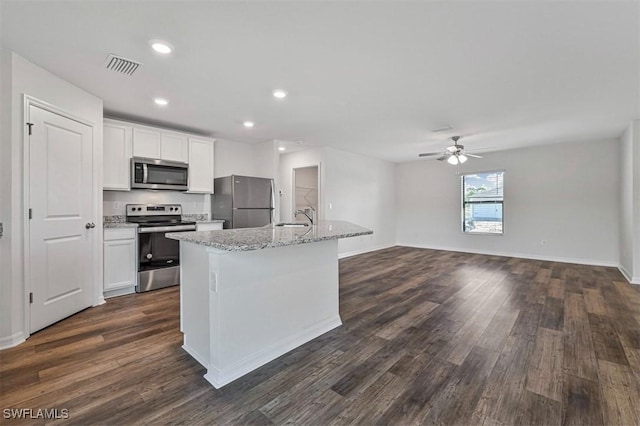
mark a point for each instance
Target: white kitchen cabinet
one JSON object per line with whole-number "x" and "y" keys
{"x": 122, "y": 140}
{"x": 117, "y": 156}
{"x": 200, "y": 165}
{"x": 209, "y": 226}
{"x": 158, "y": 143}
{"x": 146, "y": 142}
{"x": 174, "y": 147}
{"x": 120, "y": 257}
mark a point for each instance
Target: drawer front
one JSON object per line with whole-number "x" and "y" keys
{"x": 119, "y": 234}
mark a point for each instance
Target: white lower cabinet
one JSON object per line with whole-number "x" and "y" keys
{"x": 209, "y": 226}
{"x": 120, "y": 255}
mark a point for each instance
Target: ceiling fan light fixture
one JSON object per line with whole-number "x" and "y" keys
{"x": 462, "y": 158}
{"x": 453, "y": 160}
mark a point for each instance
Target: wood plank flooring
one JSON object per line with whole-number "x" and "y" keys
{"x": 429, "y": 337}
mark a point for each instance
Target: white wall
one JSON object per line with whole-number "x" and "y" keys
{"x": 630, "y": 202}
{"x": 353, "y": 187}
{"x": 565, "y": 194}
{"x": 23, "y": 77}
{"x": 265, "y": 160}
{"x": 294, "y": 160}
{"x": 6, "y": 289}
{"x": 266, "y": 163}
{"x": 233, "y": 158}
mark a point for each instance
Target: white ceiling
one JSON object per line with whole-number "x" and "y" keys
{"x": 367, "y": 77}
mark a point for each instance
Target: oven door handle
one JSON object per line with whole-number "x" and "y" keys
{"x": 166, "y": 229}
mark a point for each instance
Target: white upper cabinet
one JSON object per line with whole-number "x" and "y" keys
{"x": 157, "y": 143}
{"x": 116, "y": 154}
{"x": 146, "y": 142}
{"x": 122, "y": 140}
{"x": 174, "y": 147}
{"x": 201, "y": 165}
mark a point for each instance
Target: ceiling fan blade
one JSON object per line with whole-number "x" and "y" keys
{"x": 473, "y": 155}
{"x": 444, "y": 157}
{"x": 426, "y": 154}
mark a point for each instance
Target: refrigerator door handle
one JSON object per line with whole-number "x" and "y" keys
{"x": 273, "y": 200}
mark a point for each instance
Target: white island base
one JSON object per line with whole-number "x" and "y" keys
{"x": 241, "y": 309}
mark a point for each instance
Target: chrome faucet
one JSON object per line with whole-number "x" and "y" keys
{"x": 309, "y": 210}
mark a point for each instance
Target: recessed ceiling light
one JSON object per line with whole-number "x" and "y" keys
{"x": 248, "y": 124}
{"x": 161, "y": 101}
{"x": 279, "y": 93}
{"x": 282, "y": 148}
{"x": 161, "y": 46}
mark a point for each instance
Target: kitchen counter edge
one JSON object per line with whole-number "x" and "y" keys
{"x": 270, "y": 236}
{"x": 118, "y": 225}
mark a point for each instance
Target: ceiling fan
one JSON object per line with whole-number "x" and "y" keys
{"x": 454, "y": 154}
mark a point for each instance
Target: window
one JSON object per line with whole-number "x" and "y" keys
{"x": 482, "y": 201}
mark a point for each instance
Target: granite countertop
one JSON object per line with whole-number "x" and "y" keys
{"x": 271, "y": 236}
{"x": 118, "y": 225}
{"x": 120, "y": 221}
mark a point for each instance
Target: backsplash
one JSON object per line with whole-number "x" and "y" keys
{"x": 114, "y": 202}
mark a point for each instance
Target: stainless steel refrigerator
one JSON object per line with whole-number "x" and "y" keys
{"x": 243, "y": 201}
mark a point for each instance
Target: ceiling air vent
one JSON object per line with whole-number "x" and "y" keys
{"x": 442, "y": 129}
{"x": 120, "y": 64}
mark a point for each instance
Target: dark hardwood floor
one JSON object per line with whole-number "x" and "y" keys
{"x": 429, "y": 337}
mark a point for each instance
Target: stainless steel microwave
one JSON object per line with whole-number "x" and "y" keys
{"x": 151, "y": 173}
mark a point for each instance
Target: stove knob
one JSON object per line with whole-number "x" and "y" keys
{"x": 149, "y": 256}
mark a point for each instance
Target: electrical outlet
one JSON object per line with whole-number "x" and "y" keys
{"x": 116, "y": 206}
{"x": 543, "y": 242}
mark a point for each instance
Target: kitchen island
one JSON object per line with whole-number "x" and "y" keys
{"x": 249, "y": 295}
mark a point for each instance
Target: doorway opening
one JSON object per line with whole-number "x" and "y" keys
{"x": 306, "y": 187}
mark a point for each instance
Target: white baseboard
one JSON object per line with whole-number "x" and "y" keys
{"x": 11, "y": 341}
{"x": 627, "y": 275}
{"x": 579, "y": 261}
{"x": 219, "y": 377}
{"x": 188, "y": 349}
{"x": 119, "y": 292}
{"x": 368, "y": 250}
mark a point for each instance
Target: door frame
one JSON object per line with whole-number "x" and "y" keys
{"x": 96, "y": 203}
{"x": 320, "y": 212}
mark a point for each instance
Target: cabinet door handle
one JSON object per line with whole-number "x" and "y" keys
{"x": 90, "y": 225}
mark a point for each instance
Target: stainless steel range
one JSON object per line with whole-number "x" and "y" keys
{"x": 158, "y": 257}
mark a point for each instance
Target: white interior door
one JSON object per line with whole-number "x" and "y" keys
{"x": 60, "y": 233}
